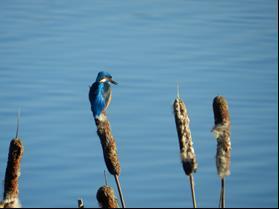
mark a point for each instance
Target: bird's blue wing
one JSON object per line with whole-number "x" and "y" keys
{"x": 93, "y": 93}
{"x": 96, "y": 100}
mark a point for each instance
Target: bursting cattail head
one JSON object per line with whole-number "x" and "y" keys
{"x": 187, "y": 152}
{"x": 11, "y": 203}
{"x": 106, "y": 197}
{"x": 221, "y": 132}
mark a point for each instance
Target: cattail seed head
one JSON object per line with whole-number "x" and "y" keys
{"x": 13, "y": 171}
{"x": 109, "y": 147}
{"x": 187, "y": 152}
{"x": 221, "y": 132}
{"x": 106, "y": 197}
{"x": 11, "y": 203}
{"x": 221, "y": 111}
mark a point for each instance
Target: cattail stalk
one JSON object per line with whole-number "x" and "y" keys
{"x": 192, "y": 183}
{"x": 106, "y": 198}
{"x": 110, "y": 152}
{"x": 116, "y": 177}
{"x": 222, "y": 194}
{"x": 221, "y": 132}
{"x": 12, "y": 174}
{"x": 187, "y": 153}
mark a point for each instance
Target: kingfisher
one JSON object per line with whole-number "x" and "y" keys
{"x": 100, "y": 94}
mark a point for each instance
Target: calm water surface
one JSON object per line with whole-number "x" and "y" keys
{"x": 51, "y": 51}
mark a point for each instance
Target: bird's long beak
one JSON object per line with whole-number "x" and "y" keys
{"x": 112, "y": 81}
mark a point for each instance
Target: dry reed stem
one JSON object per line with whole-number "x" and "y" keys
{"x": 106, "y": 197}
{"x": 221, "y": 131}
{"x": 187, "y": 153}
{"x": 12, "y": 173}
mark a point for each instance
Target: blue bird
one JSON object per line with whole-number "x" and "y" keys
{"x": 100, "y": 94}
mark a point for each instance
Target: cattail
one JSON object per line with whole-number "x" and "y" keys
{"x": 110, "y": 152}
{"x": 221, "y": 132}
{"x": 106, "y": 198}
{"x": 15, "y": 203}
{"x": 187, "y": 153}
{"x": 109, "y": 147}
{"x": 12, "y": 174}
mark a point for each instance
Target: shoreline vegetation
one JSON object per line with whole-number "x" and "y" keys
{"x": 105, "y": 194}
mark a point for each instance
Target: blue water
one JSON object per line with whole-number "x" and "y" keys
{"x": 51, "y": 51}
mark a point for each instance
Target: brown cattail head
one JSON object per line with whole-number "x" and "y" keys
{"x": 221, "y": 131}
{"x": 109, "y": 146}
{"x": 106, "y": 197}
{"x": 13, "y": 171}
{"x": 187, "y": 152}
{"x": 221, "y": 111}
